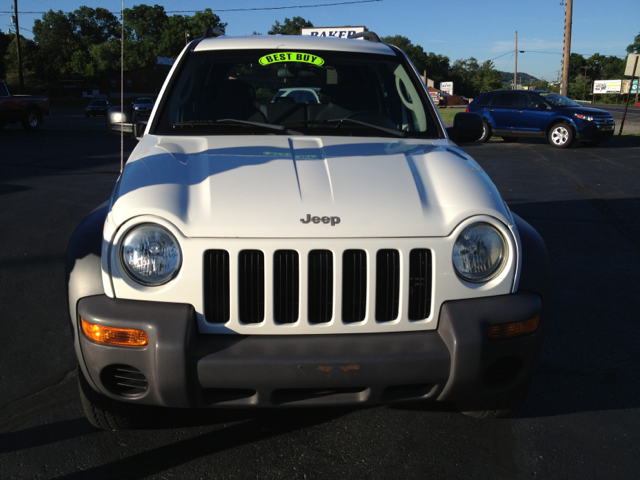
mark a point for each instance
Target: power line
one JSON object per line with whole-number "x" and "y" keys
{"x": 237, "y": 9}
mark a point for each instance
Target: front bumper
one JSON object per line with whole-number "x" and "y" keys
{"x": 183, "y": 368}
{"x": 590, "y": 131}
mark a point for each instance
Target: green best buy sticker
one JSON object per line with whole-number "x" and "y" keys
{"x": 291, "y": 57}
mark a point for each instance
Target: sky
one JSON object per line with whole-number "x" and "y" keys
{"x": 458, "y": 29}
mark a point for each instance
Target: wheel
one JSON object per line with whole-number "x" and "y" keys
{"x": 105, "y": 413}
{"x": 510, "y": 139}
{"x": 561, "y": 135}
{"x": 591, "y": 144}
{"x": 32, "y": 119}
{"x": 496, "y": 406}
{"x": 486, "y": 132}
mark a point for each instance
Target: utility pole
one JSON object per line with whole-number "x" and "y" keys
{"x": 566, "y": 53}
{"x": 584, "y": 90}
{"x": 15, "y": 10}
{"x": 515, "y": 71}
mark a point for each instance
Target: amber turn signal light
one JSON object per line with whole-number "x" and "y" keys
{"x": 115, "y": 336}
{"x": 515, "y": 329}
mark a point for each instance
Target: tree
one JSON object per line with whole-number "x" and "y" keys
{"x": 576, "y": 62}
{"x": 290, "y": 27}
{"x": 94, "y": 26}
{"x": 173, "y": 35}
{"x": 486, "y": 79}
{"x": 5, "y": 40}
{"x": 579, "y": 85}
{"x": 635, "y": 46}
{"x": 54, "y": 34}
{"x": 437, "y": 66}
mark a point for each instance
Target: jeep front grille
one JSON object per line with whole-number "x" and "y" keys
{"x": 371, "y": 282}
{"x": 320, "y": 294}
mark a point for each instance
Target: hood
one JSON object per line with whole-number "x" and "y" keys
{"x": 304, "y": 187}
{"x": 589, "y": 111}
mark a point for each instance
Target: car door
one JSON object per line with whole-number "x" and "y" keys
{"x": 501, "y": 110}
{"x": 529, "y": 117}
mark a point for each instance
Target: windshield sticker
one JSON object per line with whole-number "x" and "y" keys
{"x": 291, "y": 57}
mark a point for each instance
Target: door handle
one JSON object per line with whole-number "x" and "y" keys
{"x": 490, "y": 109}
{"x": 518, "y": 111}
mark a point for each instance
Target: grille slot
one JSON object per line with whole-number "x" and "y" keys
{"x": 251, "y": 286}
{"x": 124, "y": 380}
{"x": 286, "y": 286}
{"x": 419, "y": 284}
{"x": 354, "y": 285}
{"x": 216, "y": 286}
{"x": 387, "y": 285}
{"x": 320, "y": 291}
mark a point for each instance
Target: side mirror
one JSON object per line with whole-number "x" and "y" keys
{"x": 124, "y": 121}
{"x": 467, "y": 127}
{"x": 541, "y": 106}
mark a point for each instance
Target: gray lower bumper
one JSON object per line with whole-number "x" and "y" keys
{"x": 186, "y": 369}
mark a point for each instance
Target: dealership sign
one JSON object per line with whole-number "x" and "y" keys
{"x": 338, "y": 32}
{"x": 607, "y": 86}
{"x": 446, "y": 87}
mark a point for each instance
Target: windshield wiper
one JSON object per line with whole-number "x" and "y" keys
{"x": 339, "y": 121}
{"x": 233, "y": 121}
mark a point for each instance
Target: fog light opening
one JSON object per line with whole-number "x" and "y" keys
{"x": 515, "y": 329}
{"x": 127, "y": 337}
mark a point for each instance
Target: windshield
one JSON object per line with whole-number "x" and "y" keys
{"x": 311, "y": 92}
{"x": 560, "y": 100}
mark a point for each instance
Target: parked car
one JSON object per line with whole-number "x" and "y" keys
{"x": 143, "y": 106}
{"x": 338, "y": 253}
{"x": 27, "y": 109}
{"x": 512, "y": 114}
{"x": 97, "y": 107}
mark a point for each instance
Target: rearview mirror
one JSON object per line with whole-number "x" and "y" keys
{"x": 467, "y": 127}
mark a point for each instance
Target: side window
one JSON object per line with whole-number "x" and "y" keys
{"x": 505, "y": 100}
{"x": 3, "y": 90}
{"x": 526, "y": 100}
{"x": 486, "y": 100}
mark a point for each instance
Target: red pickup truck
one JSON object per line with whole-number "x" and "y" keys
{"x": 27, "y": 109}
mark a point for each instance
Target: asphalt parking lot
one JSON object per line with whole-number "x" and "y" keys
{"x": 581, "y": 419}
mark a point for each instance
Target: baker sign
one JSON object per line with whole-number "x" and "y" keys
{"x": 337, "y": 32}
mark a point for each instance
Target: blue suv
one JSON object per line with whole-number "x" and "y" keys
{"x": 512, "y": 114}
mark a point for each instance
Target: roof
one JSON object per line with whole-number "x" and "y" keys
{"x": 293, "y": 42}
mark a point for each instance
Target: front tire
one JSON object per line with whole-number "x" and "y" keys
{"x": 105, "y": 413}
{"x": 32, "y": 119}
{"x": 486, "y": 132}
{"x": 500, "y": 405}
{"x": 561, "y": 135}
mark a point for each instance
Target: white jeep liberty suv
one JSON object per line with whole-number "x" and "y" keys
{"x": 259, "y": 251}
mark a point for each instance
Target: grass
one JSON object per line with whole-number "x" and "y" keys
{"x": 447, "y": 114}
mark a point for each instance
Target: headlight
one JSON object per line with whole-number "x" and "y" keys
{"x": 150, "y": 254}
{"x": 584, "y": 117}
{"x": 479, "y": 252}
